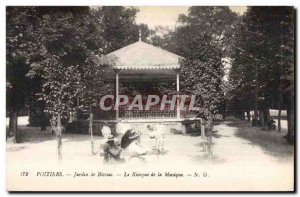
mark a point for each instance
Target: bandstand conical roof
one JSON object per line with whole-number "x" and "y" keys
{"x": 141, "y": 56}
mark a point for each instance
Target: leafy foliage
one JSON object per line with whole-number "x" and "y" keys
{"x": 264, "y": 55}
{"x": 18, "y": 88}
{"x": 64, "y": 55}
{"x": 264, "y": 64}
{"x": 202, "y": 37}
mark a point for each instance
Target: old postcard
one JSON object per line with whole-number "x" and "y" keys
{"x": 137, "y": 98}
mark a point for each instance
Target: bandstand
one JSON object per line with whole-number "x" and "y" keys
{"x": 141, "y": 68}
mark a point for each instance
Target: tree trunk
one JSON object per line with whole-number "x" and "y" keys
{"x": 76, "y": 113}
{"x": 202, "y": 128}
{"x": 12, "y": 135}
{"x": 209, "y": 136}
{"x": 279, "y": 119}
{"x": 256, "y": 103}
{"x": 261, "y": 118}
{"x": 256, "y": 94}
{"x": 291, "y": 120}
{"x": 279, "y": 106}
{"x": 266, "y": 118}
{"x": 209, "y": 123}
{"x": 43, "y": 120}
{"x": 59, "y": 137}
{"x": 248, "y": 116}
{"x": 91, "y": 133}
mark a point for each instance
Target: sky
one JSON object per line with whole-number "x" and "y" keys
{"x": 167, "y": 16}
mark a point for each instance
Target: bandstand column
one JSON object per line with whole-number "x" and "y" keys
{"x": 117, "y": 94}
{"x": 177, "y": 89}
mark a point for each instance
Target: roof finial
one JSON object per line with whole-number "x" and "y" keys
{"x": 140, "y": 35}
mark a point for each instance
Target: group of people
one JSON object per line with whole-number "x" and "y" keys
{"x": 129, "y": 143}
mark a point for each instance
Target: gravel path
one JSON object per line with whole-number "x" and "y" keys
{"x": 236, "y": 164}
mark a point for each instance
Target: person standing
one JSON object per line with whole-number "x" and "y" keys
{"x": 106, "y": 131}
{"x": 157, "y": 134}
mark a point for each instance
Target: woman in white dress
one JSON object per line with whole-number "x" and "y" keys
{"x": 132, "y": 144}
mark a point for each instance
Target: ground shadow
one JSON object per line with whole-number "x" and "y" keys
{"x": 12, "y": 149}
{"x": 34, "y": 135}
{"x": 215, "y": 134}
{"x": 214, "y": 159}
{"x": 271, "y": 142}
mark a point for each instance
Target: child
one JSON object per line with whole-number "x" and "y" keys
{"x": 157, "y": 134}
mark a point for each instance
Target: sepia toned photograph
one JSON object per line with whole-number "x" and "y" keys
{"x": 150, "y": 98}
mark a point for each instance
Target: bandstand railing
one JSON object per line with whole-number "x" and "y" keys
{"x": 152, "y": 113}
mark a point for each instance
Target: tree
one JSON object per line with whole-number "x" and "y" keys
{"x": 162, "y": 37}
{"x": 68, "y": 38}
{"x": 244, "y": 78}
{"x": 92, "y": 87}
{"x": 119, "y": 26}
{"x": 264, "y": 60}
{"x": 17, "y": 90}
{"x": 202, "y": 38}
{"x": 19, "y": 25}
{"x": 61, "y": 45}
{"x": 287, "y": 67}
